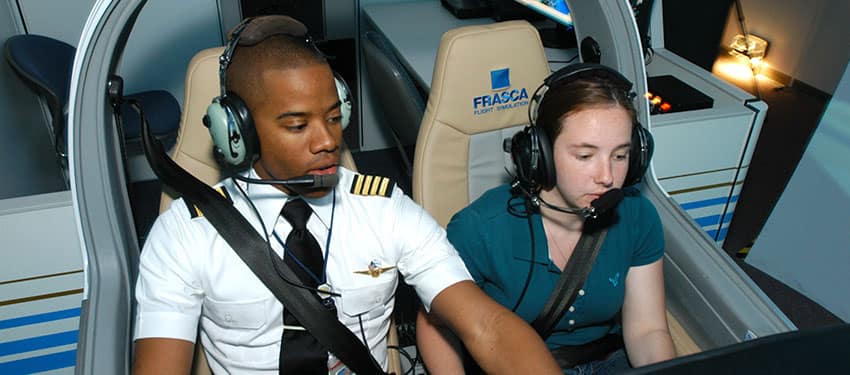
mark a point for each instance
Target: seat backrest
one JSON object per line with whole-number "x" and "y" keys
{"x": 399, "y": 99}
{"x": 193, "y": 148}
{"x": 483, "y": 80}
{"x": 45, "y": 64}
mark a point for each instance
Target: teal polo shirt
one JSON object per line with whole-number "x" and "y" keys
{"x": 496, "y": 247}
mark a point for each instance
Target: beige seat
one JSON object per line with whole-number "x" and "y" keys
{"x": 459, "y": 148}
{"x": 459, "y": 152}
{"x": 193, "y": 152}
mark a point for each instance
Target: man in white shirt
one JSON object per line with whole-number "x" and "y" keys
{"x": 368, "y": 231}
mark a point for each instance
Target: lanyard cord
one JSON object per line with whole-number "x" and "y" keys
{"x": 323, "y": 279}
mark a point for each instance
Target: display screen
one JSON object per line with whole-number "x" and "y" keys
{"x": 555, "y": 10}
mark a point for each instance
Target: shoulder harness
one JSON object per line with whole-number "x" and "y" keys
{"x": 196, "y": 212}
{"x": 372, "y": 185}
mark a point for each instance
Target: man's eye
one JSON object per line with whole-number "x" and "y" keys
{"x": 298, "y": 127}
{"x": 335, "y": 119}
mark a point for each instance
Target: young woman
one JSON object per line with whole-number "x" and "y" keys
{"x": 517, "y": 239}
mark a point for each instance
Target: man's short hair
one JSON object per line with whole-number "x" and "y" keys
{"x": 277, "y": 52}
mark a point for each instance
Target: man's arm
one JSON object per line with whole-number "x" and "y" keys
{"x": 163, "y": 356}
{"x": 500, "y": 341}
{"x": 437, "y": 345}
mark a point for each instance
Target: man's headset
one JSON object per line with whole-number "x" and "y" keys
{"x": 531, "y": 149}
{"x": 235, "y": 143}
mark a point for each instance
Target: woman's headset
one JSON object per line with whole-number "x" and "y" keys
{"x": 531, "y": 149}
{"x": 235, "y": 143}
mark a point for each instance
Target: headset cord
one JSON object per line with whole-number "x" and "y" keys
{"x": 527, "y": 214}
{"x": 270, "y": 251}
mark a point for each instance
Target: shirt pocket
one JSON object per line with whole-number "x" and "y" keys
{"x": 237, "y": 315}
{"x": 369, "y": 301}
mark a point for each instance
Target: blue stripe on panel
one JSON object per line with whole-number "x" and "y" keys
{"x": 707, "y": 202}
{"x": 722, "y": 235}
{"x": 36, "y": 343}
{"x": 713, "y": 219}
{"x": 39, "y": 364}
{"x": 40, "y": 318}
{"x": 718, "y": 235}
{"x": 707, "y": 220}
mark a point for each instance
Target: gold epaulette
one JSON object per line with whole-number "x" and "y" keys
{"x": 196, "y": 212}
{"x": 372, "y": 185}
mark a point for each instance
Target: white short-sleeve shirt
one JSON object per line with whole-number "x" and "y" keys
{"x": 188, "y": 272}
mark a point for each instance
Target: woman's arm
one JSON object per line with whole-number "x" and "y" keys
{"x": 645, "y": 330}
{"x": 439, "y": 347}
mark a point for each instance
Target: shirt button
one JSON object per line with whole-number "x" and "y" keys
{"x": 572, "y": 322}
{"x": 581, "y": 292}
{"x": 572, "y": 308}
{"x": 228, "y": 318}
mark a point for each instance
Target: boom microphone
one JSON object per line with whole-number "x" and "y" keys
{"x": 604, "y": 203}
{"x": 307, "y": 181}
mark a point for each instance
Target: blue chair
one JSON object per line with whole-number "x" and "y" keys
{"x": 45, "y": 65}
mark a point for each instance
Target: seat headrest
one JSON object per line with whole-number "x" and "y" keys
{"x": 483, "y": 80}
{"x": 484, "y": 76}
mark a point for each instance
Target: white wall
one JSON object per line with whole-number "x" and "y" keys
{"x": 805, "y": 242}
{"x": 808, "y": 40}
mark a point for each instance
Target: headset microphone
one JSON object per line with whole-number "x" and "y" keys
{"x": 306, "y": 181}
{"x": 601, "y": 205}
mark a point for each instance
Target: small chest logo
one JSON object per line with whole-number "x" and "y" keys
{"x": 615, "y": 280}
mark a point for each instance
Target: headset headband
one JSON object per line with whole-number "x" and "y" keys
{"x": 261, "y": 28}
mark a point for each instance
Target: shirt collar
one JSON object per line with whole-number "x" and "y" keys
{"x": 269, "y": 201}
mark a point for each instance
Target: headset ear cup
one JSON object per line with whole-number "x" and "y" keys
{"x": 246, "y": 127}
{"x": 232, "y": 130}
{"x": 521, "y": 156}
{"x": 545, "y": 174}
{"x": 216, "y": 120}
{"x": 641, "y": 153}
{"x": 345, "y": 101}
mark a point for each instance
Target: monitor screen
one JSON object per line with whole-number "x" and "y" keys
{"x": 555, "y": 10}
{"x": 562, "y": 35}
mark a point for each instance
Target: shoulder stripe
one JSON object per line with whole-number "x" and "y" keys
{"x": 195, "y": 211}
{"x": 372, "y": 185}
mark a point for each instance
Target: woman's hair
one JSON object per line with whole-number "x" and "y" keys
{"x": 576, "y": 94}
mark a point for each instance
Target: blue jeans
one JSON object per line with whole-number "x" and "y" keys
{"x": 615, "y": 363}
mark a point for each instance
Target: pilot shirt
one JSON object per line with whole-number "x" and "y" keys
{"x": 188, "y": 271}
{"x": 496, "y": 247}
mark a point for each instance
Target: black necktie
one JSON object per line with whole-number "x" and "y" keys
{"x": 300, "y": 352}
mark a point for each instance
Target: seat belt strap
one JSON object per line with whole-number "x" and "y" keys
{"x": 572, "y": 277}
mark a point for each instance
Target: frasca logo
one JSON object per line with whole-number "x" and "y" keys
{"x": 507, "y": 98}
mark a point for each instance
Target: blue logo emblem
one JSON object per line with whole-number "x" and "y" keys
{"x": 615, "y": 279}
{"x": 500, "y": 79}
{"x": 504, "y": 97}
